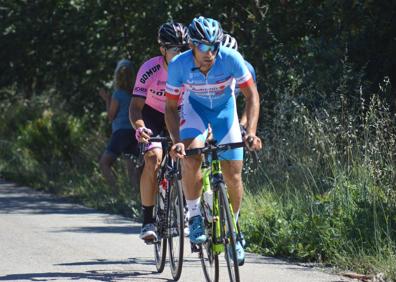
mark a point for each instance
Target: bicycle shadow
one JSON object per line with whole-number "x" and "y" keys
{"x": 88, "y": 275}
{"x": 98, "y": 275}
{"x": 109, "y": 229}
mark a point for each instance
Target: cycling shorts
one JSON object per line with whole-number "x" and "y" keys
{"x": 155, "y": 121}
{"x": 224, "y": 122}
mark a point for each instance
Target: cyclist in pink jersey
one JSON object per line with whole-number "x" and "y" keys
{"x": 146, "y": 113}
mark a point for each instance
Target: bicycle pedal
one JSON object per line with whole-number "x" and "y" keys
{"x": 195, "y": 248}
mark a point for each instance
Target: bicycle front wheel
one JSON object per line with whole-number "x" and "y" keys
{"x": 209, "y": 259}
{"x": 160, "y": 245}
{"x": 229, "y": 235}
{"x": 176, "y": 229}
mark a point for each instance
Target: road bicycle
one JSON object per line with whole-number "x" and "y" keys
{"x": 219, "y": 223}
{"x": 169, "y": 213}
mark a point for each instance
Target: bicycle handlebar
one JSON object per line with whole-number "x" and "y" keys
{"x": 159, "y": 139}
{"x": 213, "y": 147}
{"x": 221, "y": 148}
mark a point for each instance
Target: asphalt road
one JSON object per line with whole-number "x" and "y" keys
{"x": 44, "y": 238}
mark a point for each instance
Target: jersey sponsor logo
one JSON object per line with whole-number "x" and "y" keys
{"x": 149, "y": 73}
{"x": 158, "y": 93}
{"x": 209, "y": 89}
{"x": 139, "y": 89}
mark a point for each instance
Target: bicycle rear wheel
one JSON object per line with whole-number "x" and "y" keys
{"x": 161, "y": 244}
{"x": 228, "y": 233}
{"x": 176, "y": 229}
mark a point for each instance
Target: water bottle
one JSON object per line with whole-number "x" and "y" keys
{"x": 208, "y": 196}
{"x": 207, "y": 193}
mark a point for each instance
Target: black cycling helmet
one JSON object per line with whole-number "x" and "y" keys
{"x": 172, "y": 34}
{"x": 205, "y": 30}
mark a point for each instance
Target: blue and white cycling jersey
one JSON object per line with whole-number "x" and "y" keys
{"x": 211, "y": 90}
{"x": 251, "y": 69}
{"x": 210, "y": 98}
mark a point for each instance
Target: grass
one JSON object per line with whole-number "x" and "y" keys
{"x": 326, "y": 190}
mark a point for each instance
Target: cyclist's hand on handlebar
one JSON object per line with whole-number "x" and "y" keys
{"x": 253, "y": 143}
{"x": 143, "y": 134}
{"x": 177, "y": 151}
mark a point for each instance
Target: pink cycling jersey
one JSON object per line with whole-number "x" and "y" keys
{"x": 151, "y": 82}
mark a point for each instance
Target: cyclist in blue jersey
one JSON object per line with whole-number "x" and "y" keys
{"x": 208, "y": 73}
{"x": 230, "y": 42}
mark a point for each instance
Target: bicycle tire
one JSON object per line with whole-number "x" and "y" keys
{"x": 161, "y": 244}
{"x": 209, "y": 260}
{"x": 176, "y": 229}
{"x": 228, "y": 231}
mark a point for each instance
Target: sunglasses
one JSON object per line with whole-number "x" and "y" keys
{"x": 203, "y": 47}
{"x": 177, "y": 48}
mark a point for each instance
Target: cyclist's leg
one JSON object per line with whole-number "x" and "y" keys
{"x": 193, "y": 132}
{"x": 226, "y": 130}
{"x": 148, "y": 180}
{"x": 153, "y": 120}
{"x": 148, "y": 187}
{"x": 232, "y": 172}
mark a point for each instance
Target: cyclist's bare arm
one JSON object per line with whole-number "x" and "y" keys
{"x": 172, "y": 121}
{"x": 136, "y": 119}
{"x": 252, "y": 113}
{"x": 135, "y": 112}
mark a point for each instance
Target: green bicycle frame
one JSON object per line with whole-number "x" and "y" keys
{"x": 218, "y": 246}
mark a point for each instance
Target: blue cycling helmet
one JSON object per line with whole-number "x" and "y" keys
{"x": 205, "y": 30}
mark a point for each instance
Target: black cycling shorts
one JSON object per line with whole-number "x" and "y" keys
{"x": 153, "y": 120}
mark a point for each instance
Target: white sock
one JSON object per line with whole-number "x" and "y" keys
{"x": 236, "y": 216}
{"x": 193, "y": 207}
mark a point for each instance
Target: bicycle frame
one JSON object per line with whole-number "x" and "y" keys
{"x": 216, "y": 179}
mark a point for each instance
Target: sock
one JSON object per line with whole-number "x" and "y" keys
{"x": 236, "y": 216}
{"x": 148, "y": 214}
{"x": 193, "y": 207}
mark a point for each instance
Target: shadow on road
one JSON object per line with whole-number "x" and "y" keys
{"x": 142, "y": 261}
{"x": 119, "y": 229}
{"x": 26, "y": 200}
{"x": 91, "y": 275}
